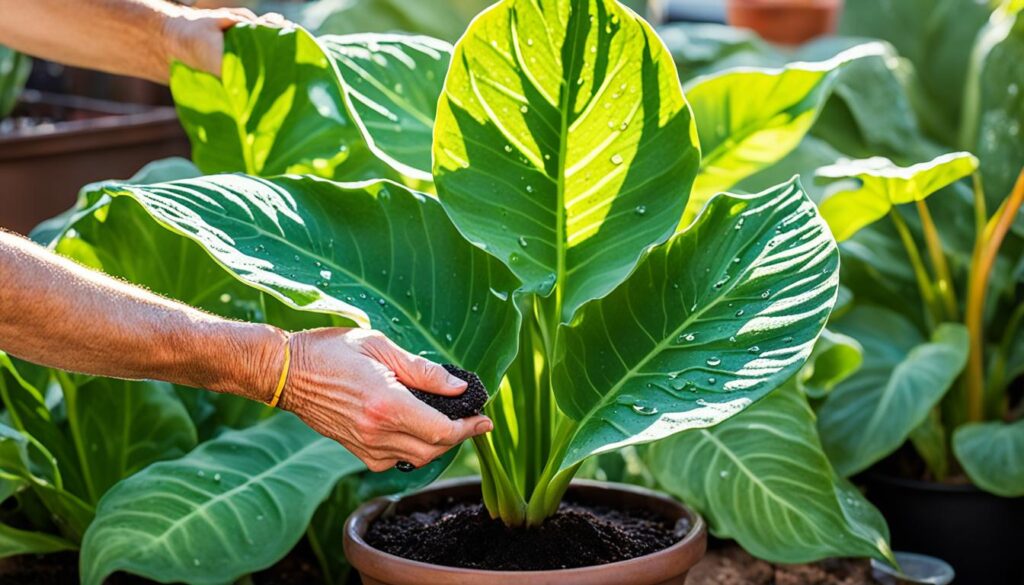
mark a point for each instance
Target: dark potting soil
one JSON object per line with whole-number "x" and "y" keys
{"x": 462, "y": 534}
{"x": 467, "y": 404}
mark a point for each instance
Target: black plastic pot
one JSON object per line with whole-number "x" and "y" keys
{"x": 978, "y": 533}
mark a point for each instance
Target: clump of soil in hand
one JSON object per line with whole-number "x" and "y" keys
{"x": 462, "y": 534}
{"x": 467, "y": 404}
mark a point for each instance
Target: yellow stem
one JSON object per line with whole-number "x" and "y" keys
{"x": 985, "y": 250}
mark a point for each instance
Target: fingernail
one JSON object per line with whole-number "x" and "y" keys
{"x": 484, "y": 426}
{"x": 455, "y": 383}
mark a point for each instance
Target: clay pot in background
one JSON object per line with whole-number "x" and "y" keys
{"x": 787, "y": 22}
{"x": 665, "y": 567}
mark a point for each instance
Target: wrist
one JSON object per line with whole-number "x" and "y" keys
{"x": 247, "y": 360}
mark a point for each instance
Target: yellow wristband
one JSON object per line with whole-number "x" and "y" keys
{"x": 284, "y": 374}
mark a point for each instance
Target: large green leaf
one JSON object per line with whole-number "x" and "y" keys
{"x": 120, "y": 426}
{"x": 375, "y": 252}
{"x": 878, "y": 184}
{"x": 750, "y": 118}
{"x": 235, "y": 505}
{"x": 762, "y": 478}
{"x": 707, "y": 324}
{"x": 563, "y": 143}
{"x": 14, "y": 70}
{"x": 287, "y": 103}
{"x": 992, "y": 454}
{"x": 994, "y": 107}
{"x": 902, "y": 378}
{"x": 392, "y": 83}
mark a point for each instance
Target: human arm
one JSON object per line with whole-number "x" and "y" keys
{"x": 347, "y": 384}
{"x": 139, "y": 38}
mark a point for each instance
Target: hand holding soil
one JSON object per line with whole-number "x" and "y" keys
{"x": 351, "y": 385}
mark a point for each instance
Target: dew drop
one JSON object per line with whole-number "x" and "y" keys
{"x": 641, "y": 209}
{"x": 616, "y": 159}
{"x": 522, "y": 242}
{"x": 723, "y": 474}
{"x": 225, "y": 298}
{"x": 644, "y": 409}
{"x": 382, "y": 302}
{"x": 216, "y": 477}
{"x": 508, "y": 148}
{"x": 766, "y": 294}
{"x": 201, "y": 473}
{"x": 529, "y": 42}
{"x": 739, "y": 313}
{"x": 529, "y": 188}
{"x": 754, "y": 349}
{"x": 325, "y": 274}
{"x": 523, "y": 109}
{"x": 475, "y": 308}
{"x": 711, "y": 381}
{"x": 195, "y": 562}
{"x": 713, "y": 361}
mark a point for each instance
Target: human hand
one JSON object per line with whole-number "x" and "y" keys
{"x": 351, "y": 385}
{"x": 195, "y": 36}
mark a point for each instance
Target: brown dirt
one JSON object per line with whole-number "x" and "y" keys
{"x": 731, "y": 565}
{"x": 461, "y": 534}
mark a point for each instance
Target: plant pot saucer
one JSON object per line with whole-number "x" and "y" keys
{"x": 665, "y": 567}
{"x": 915, "y": 569}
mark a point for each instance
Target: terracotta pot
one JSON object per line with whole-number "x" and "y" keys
{"x": 42, "y": 168}
{"x": 665, "y": 567}
{"x": 979, "y": 534}
{"x": 788, "y": 22}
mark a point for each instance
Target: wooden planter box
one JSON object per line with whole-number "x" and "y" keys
{"x": 43, "y": 167}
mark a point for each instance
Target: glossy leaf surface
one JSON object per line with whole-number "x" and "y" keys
{"x": 700, "y": 331}
{"x": 763, "y": 479}
{"x": 374, "y": 252}
{"x": 878, "y": 184}
{"x": 563, "y": 144}
{"x": 235, "y": 505}
{"x": 751, "y": 118}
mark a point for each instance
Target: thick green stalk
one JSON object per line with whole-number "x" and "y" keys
{"x": 938, "y": 259}
{"x": 924, "y": 283}
{"x": 986, "y": 249}
{"x": 506, "y": 501}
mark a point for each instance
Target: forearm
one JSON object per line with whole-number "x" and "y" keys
{"x": 59, "y": 314}
{"x": 117, "y": 36}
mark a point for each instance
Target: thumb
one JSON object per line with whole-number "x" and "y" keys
{"x": 417, "y": 372}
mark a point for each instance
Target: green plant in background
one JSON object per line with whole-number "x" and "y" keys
{"x": 566, "y": 305}
{"x": 570, "y": 281}
{"x": 14, "y": 70}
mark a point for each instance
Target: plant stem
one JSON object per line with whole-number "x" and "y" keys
{"x": 945, "y": 279}
{"x": 997, "y": 371}
{"x": 987, "y": 244}
{"x": 924, "y": 283}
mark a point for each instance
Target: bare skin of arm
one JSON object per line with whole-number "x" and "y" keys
{"x": 347, "y": 384}
{"x": 138, "y": 38}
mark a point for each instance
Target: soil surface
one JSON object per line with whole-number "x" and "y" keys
{"x": 462, "y": 534}
{"x": 731, "y": 565}
{"x": 467, "y": 404}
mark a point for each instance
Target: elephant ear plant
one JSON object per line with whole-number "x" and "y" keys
{"x": 553, "y": 261}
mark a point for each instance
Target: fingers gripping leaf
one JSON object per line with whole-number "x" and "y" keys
{"x": 563, "y": 143}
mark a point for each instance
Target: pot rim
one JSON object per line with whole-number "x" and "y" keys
{"x": 696, "y": 537}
